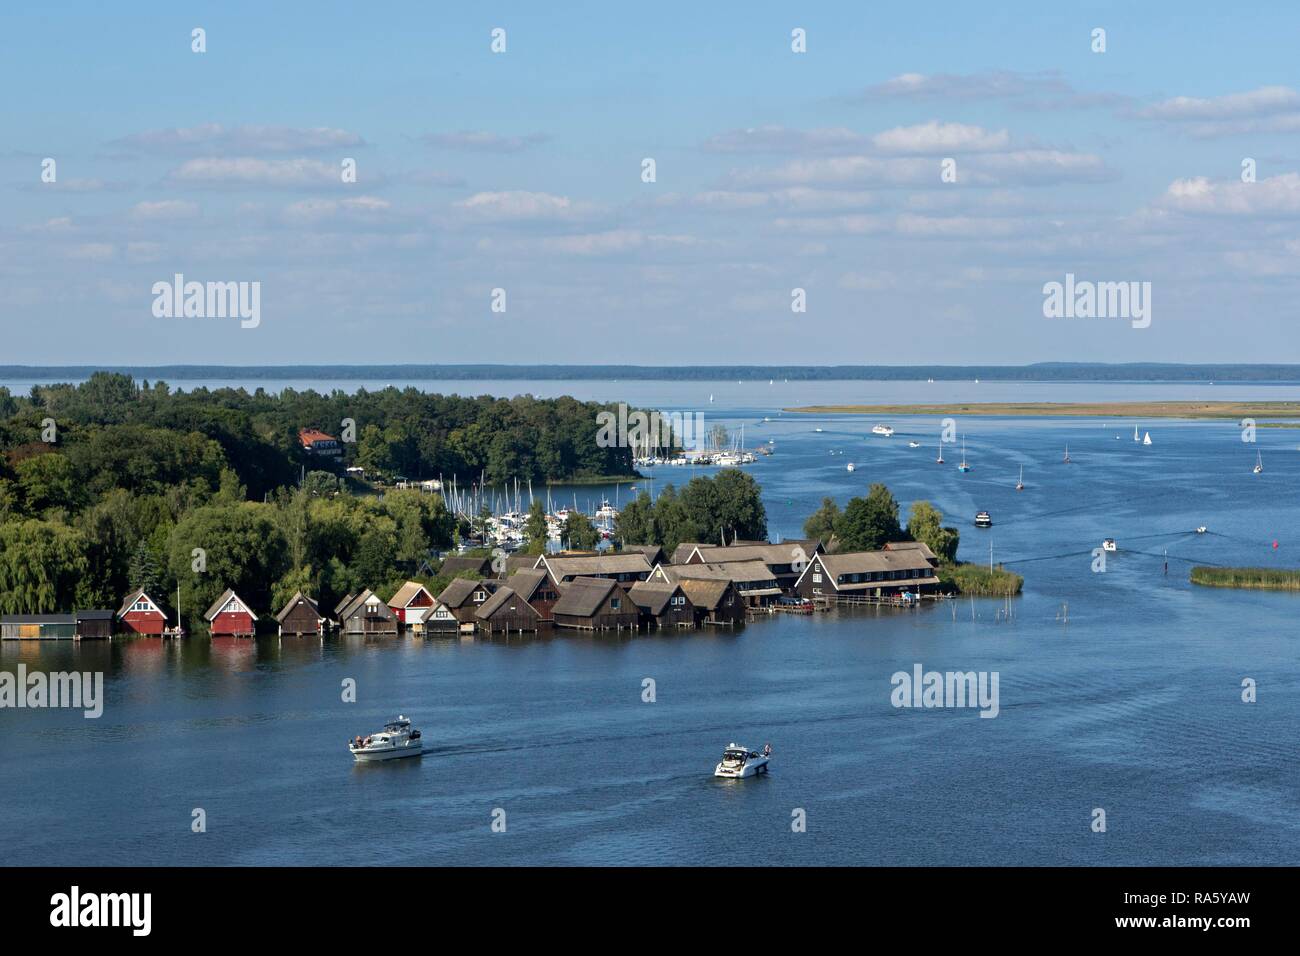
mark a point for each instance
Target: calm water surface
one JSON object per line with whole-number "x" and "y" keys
{"x": 1133, "y": 706}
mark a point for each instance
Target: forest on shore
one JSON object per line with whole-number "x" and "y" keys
{"x": 111, "y": 485}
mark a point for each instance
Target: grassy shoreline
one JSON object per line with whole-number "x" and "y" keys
{"x": 979, "y": 580}
{"x": 1211, "y": 410}
{"x": 1250, "y": 579}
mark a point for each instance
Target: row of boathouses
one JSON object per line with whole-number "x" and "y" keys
{"x": 638, "y": 587}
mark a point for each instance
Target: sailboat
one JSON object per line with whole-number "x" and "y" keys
{"x": 1135, "y": 433}
{"x": 1020, "y": 485}
{"x": 939, "y": 460}
{"x": 963, "y": 466}
{"x": 179, "y": 629}
{"x": 1259, "y": 463}
{"x": 1146, "y": 438}
{"x": 1066, "y": 459}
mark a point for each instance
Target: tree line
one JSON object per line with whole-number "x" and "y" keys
{"x": 107, "y": 486}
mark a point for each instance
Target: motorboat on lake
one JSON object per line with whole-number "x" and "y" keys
{"x": 1201, "y": 529}
{"x": 983, "y": 520}
{"x": 397, "y": 739}
{"x": 1109, "y": 545}
{"x": 914, "y": 444}
{"x": 738, "y": 762}
{"x": 882, "y": 430}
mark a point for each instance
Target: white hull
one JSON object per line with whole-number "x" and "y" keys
{"x": 752, "y": 768}
{"x": 376, "y": 754}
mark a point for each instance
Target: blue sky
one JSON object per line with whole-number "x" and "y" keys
{"x": 774, "y": 171}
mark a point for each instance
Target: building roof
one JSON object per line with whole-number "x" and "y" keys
{"x": 683, "y": 551}
{"x": 309, "y": 436}
{"x": 347, "y": 599}
{"x": 652, "y": 597}
{"x": 408, "y": 593}
{"x": 521, "y": 562}
{"x": 363, "y": 600}
{"x": 738, "y": 572}
{"x": 226, "y": 597}
{"x": 596, "y": 564}
{"x": 703, "y": 593}
{"x": 912, "y": 546}
{"x": 505, "y": 597}
{"x": 293, "y": 603}
{"x": 462, "y": 563}
{"x": 525, "y": 583}
{"x": 458, "y": 591}
{"x": 38, "y": 619}
{"x": 653, "y": 553}
{"x": 583, "y": 597}
{"x": 132, "y": 598}
{"x": 94, "y": 614}
{"x": 786, "y": 553}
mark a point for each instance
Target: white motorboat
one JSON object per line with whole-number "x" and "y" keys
{"x": 1259, "y": 464}
{"x": 1109, "y": 545}
{"x": 738, "y": 761}
{"x": 817, "y": 429}
{"x": 1201, "y": 529}
{"x": 397, "y": 739}
{"x": 849, "y": 467}
{"x": 882, "y": 430}
{"x": 983, "y": 520}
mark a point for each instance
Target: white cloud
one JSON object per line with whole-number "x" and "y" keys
{"x": 1268, "y": 109}
{"x": 1277, "y": 196}
{"x": 781, "y": 139}
{"x": 251, "y": 140}
{"x": 253, "y": 172}
{"x": 482, "y": 141}
{"x": 517, "y": 205}
{"x": 165, "y": 209}
{"x": 315, "y": 210}
{"x": 935, "y": 137}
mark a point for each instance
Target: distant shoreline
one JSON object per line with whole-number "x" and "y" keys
{"x": 1136, "y": 372}
{"x": 1209, "y": 410}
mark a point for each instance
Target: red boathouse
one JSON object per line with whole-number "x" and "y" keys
{"x": 140, "y": 614}
{"x": 230, "y": 617}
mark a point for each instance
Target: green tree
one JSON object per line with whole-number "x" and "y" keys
{"x": 635, "y": 523}
{"x": 580, "y": 533}
{"x": 867, "y": 523}
{"x": 535, "y": 528}
{"x": 925, "y": 523}
{"x": 41, "y": 564}
{"x": 821, "y": 524}
{"x": 241, "y": 548}
{"x": 48, "y": 481}
{"x": 144, "y": 571}
{"x": 729, "y": 504}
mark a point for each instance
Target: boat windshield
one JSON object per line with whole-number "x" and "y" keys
{"x": 735, "y": 756}
{"x": 396, "y": 726}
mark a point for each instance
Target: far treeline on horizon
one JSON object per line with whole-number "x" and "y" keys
{"x": 1036, "y": 372}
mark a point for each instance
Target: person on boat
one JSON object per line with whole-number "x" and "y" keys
{"x": 767, "y": 750}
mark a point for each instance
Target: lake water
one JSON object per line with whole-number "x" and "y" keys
{"x": 1134, "y": 706}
